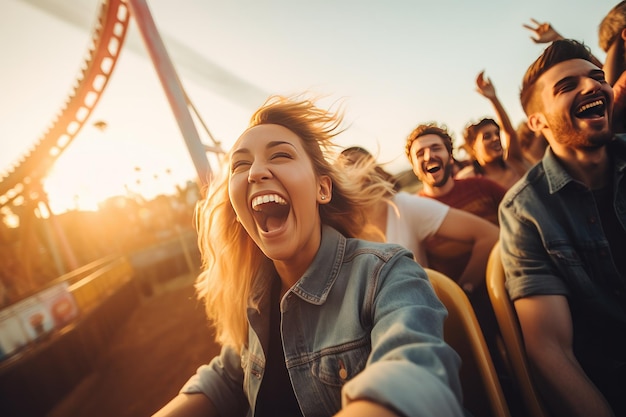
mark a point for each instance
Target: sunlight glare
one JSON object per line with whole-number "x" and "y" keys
{"x": 10, "y": 219}
{"x": 94, "y": 169}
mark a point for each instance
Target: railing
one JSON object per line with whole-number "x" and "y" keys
{"x": 101, "y": 283}
{"x": 58, "y": 334}
{"x": 92, "y": 303}
{"x": 62, "y": 302}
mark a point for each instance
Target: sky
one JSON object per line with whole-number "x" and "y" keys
{"x": 393, "y": 65}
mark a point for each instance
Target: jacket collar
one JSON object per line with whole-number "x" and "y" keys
{"x": 319, "y": 278}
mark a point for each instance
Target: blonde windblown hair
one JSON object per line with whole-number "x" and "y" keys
{"x": 234, "y": 269}
{"x": 377, "y": 185}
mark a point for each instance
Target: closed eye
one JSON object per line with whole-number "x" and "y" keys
{"x": 237, "y": 166}
{"x": 278, "y": 155}
{"x": 600, "y": 79}
{"x": 565, "y": 88}
{"x": 564, "y": 85}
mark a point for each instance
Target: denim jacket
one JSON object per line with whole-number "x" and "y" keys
{"x": 553, "y": 243}
{"x": 363, "y": 322}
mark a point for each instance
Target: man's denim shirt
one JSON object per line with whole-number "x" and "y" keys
{"x": 553, "y": 244}
{"x": 363, "y": 322}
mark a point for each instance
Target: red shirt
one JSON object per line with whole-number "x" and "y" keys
{"x": 477, "y": 195}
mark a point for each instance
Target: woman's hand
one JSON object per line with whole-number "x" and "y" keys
{"x": 544, "y": 32}
{"x": 485, "y": 87}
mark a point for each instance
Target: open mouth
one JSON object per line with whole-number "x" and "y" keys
{"x": 591, "y": 110}
{"x": 270, "y": 211}
{"x": 431, "y": 169}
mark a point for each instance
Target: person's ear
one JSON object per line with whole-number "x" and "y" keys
{"x": 537, "y": 122}
{"x": 325, "y": 190}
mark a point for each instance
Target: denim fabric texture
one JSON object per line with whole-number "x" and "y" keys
{"x": 553, "y": 243}
{"x": 363, "y": 322}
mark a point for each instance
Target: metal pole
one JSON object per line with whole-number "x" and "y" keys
{"x": 172, "y": 86}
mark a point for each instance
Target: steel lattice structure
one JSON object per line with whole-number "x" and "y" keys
{"x": 106, "y": 43}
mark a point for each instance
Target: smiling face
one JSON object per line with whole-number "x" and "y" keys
{"x": 575, "y": 105}
{"x": 488, "y": 147}
{"x": 431, "y": 162}
{"x": 275, "y": 193}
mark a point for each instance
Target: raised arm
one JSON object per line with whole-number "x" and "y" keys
{"x": 511, "y": 145}
{"x": 462, "y": 226}
{"x": 545, "y": 33}
{"x": 619, "y": 106}
{"x": 410, "y": 367}
{"x": 614, "y": 65}
{"x": 547, "y": 328}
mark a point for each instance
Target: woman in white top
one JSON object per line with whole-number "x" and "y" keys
{"x": 409, "y": 220}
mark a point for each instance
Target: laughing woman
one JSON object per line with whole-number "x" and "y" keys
{"x": 312, "y": 320}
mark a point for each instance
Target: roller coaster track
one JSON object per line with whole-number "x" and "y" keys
{"x": 106, "y": 43}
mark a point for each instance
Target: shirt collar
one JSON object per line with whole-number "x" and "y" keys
{"x": 558, "y": 177}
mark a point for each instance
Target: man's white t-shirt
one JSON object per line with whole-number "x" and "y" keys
{"x": 413, "y": 220}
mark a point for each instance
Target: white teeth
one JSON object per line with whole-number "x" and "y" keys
{"x": 432, "y": 168}
{"x": 589, "y": 105}
{"x": 267, "y": 198}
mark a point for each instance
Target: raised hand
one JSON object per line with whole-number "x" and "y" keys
{"x": 485, "y": 87}
{"x": 544, "y": 32}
